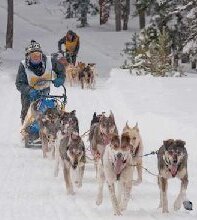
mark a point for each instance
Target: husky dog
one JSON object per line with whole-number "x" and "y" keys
{"x": 72, "y": 153}
{"x": 68, "y": 124}
{"x": 102, "y": 130}
{"x": 90, "y": 75}
{"x": 72, "y": 74}
{"x": 49, "y": 126}
{"x": 172, "y": 162}
{"x": 136, "y": 147}
{"x": 81, "y": 73}
{"x": 101, "y": 134}
{"x": 69, "y": 120}
{"x": 115, "y": 166}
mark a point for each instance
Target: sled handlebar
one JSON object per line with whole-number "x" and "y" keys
{"x": 64, "y": 96}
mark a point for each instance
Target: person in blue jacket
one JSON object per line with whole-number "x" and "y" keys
{"x": 33, "y": 70}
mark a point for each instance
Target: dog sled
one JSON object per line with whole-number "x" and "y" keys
{"x": 32, "y": 138}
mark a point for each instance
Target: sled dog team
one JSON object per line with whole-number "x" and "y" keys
{"x": 115, "y": 157}
{"x": 80, "y": 73}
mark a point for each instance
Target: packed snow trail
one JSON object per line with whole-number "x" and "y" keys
{"x": 163, "y": 108}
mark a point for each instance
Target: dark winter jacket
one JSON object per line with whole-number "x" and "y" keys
{"x": 21, "y": 79}
{"x": 70, "y": 46}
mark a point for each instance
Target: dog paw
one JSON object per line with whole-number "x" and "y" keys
{"x": 177, "y": 205}
{"x": 117, "y": 212}
{"x": 70, "y": 192}
{"x": 165, "y": 211}
{"x": 137, "y": 182}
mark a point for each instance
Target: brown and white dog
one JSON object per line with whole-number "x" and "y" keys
{"x": 101, "y": 133}
{"x": 172, "y": 162}
{"x": 90, "y": 76}
{"x": 102, "y": 130}
{"x": 115, "y": 166}
{"x": 72, "y": 74}
{"x": 136, "y": 147}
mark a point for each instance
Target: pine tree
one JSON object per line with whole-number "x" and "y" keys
{"x": 79, "y": 9}
{"x": 130, "y": 51}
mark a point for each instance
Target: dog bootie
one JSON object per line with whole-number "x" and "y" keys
{"x": 187, "y": 205}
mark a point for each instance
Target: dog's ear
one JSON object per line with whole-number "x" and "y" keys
{"x": 111, "y": 115}
{"x": 127, "y": 126}
{"x": 136, "y": 127}
{"x": 73, "y": 112}
{"x": 180, "y": 143}
{"x": 168, "y": 142}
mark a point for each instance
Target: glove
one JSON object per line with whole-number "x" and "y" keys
{"x": 58, "y": 82}
{"x": 34, "y": 94}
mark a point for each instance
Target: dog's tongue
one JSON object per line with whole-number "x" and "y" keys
{"x": 174, "y": 170}
{"x": 118, "y": 166}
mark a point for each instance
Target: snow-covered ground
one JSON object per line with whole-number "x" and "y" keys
{"x": 163, "y": 107}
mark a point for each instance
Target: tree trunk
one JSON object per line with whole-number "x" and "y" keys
{"x": 193, "y": 64}
{"x": 126, "y": 12}
{"x": 117, "y": 8}
{"x": 142, "y": 19}
{"x": 10, "y": 24}
{"x": 84, "y": 11}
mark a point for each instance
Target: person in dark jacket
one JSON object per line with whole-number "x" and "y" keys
{"x": 32, "y": 72}
{"x": 71, "y": 46}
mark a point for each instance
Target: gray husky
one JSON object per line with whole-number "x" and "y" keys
{"x": 72, "y": 153}
{"x": 172, "y": 162}
{"x": 70, "y": 150}
{"x": 101, "y": 132}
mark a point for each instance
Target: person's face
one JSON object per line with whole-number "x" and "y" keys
{"x": 69, "y": 37}
{"x": 36, "y": 57}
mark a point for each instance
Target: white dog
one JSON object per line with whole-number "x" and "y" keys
{"x": 115, "y": 166}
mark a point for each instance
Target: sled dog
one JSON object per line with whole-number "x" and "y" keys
{"x": 72, "y": 154}
{"x": 101, "y": 133}
{"x": 68, "y": 124}
{"x": 49, "y": 124}
{"x": 172, "y": 162}
{"x": 72, "y": 74}
{"x": 115, "y": 166}
{"x": 136, "y": 147}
